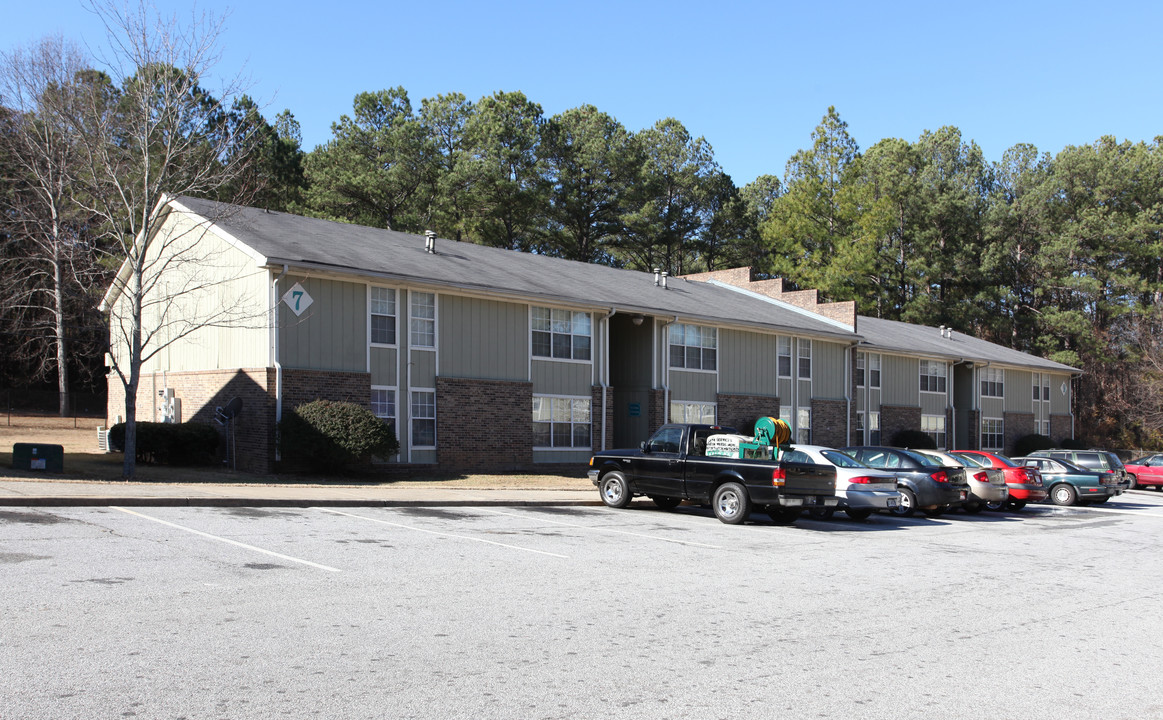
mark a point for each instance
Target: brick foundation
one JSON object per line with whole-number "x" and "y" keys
{"x": 1060, "y": 426}
{"x": 829, "y": 423}
{"x": 894, "y": 418}
{"x": 484, "y": 424}
{"x": 1017, "y": 425}
{"x": 741, "y": 411}
{"x": 596, "y": 418}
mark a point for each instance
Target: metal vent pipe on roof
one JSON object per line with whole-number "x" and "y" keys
{"x": 664, "y": 274}
{"x": 656, "y": 271}
{"x": 430, "y": 241}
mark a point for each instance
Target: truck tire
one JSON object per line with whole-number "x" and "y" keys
{"x": 666, "y": 503}
{"x": 731, "y": 503}
{"x": 614, "y": 489}
{"x": 783, "y": 516}
{"x": 858, "y": 513}
{"x": 1063, "y": 494}
{"x": 908, "y": 504}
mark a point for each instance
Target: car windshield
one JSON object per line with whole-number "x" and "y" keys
{"x": 1114, "y": 460}
{"x": 839, "y": 459}
{"x": 970, "y": 460}
{"x": 924, "y": 460}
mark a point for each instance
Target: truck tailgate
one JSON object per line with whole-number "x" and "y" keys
{"x": 808, "y": 479}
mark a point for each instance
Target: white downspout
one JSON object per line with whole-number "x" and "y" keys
{"x": 275, "y": 356}
{"x": 604, "y": 368}
{"x": 848, "y": 396}
{"x": 666, "y": 369}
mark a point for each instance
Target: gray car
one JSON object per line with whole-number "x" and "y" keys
{"x": 986, "y": 485}
{"x": 862, "y": 490}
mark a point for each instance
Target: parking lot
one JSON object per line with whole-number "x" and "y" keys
{"x": 544, "y": 612}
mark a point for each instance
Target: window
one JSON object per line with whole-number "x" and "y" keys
{"x": 804, "y": 426}
{"x": 700, "y": 413}
{"x": 1041, "y": 387}
{"x": 423, "y": 419}
{"x": 561, "y": 423}
{"x": 1044, "y": 427}
{"x": 783, "y": 356}
{"x": 805, "y": 356}
{"x": 934, "y": 427}
{"x": 423, "y": 320}
{"x": 993, "y": 382}
{"x": 561, "y": 334}
{"x": 382, "y": 306}
{"x": 873, "y": 429}
{"x": 693, "y": 347}
{"x": 992, "y": 434}
{"x": 932, "y": 376}
{"x": 872, "y": 363}
{"x": 384, "y": 404}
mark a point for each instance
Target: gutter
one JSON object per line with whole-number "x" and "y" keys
{"x": 665, "y": 353}
{"x": 604, "y": 368}
{"x": 275, "y": 356}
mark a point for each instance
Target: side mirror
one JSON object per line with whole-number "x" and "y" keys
{"x": 644, "y": 447}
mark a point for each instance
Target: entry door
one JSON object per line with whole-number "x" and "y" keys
{"x": 631, "y": 417}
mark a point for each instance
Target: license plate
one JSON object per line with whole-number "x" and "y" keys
{"x": 892, "y": 502}
{"x": 964, "y": 495}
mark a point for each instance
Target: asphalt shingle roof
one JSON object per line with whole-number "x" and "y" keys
{"x": 295, "y": 240}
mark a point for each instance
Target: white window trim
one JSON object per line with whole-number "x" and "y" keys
{"x": 686, "y": 403}
{"x": 412, "y": 417}
{"x": 572, "y": 449}
{"x": 811, "y": 359}
{"x": 943, "y": 431}
{"x": 435, "y": 322}
{"x": 920, "y": 374}
{"x": 981, "y": 433}
{"x": 791, "y": 350}
{"x": 369, "y": 318}
{"x": 541, "y": 358}
{"x": 704, "y": 371}
{"x": 395, "y": 419}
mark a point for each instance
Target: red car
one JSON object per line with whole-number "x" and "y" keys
{"x": 1146, "y": 471}
{"x": 1025, "y": 483}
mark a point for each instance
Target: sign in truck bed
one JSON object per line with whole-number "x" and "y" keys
{"x": 673, "y": 465}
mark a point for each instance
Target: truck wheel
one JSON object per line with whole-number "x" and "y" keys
{"x": 731, "y": 503}
{"x": 908, "y": 504}
{"x": 666, "y": 503}
{"x": 858, "y": 514}
{"x": 615, "y": 490}
{"x": 1063, "y": 494}
{"x": 783, "y": 516}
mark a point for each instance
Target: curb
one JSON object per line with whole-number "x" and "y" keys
{"x": 277, "y": 502}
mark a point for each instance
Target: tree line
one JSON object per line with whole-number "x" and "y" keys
{"x": 1055, "y": 255}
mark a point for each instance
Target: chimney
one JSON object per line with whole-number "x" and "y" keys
{"x": 656, "y": 271}
{"x": 430, "y": 242}
{"x": 664, "y": 274}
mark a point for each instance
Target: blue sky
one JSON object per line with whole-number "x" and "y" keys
{"x": 753, "y": 78}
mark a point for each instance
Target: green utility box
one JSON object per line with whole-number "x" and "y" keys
{"x": 35, "y": 456}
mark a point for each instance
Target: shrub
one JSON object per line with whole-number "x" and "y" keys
{"x": 1073, "y": 444}
{"x": 1032, "y": 443}
{"x": 914, "y": 439}
{"x": 170, "y": 443}
{"x": 326, "y": 435}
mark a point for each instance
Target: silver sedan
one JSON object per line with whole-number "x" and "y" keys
{"x": 861, "y": 490}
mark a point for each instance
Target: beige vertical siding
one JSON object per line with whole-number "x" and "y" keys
{"x": 1019, "y": 393}
{"x": 483, "y": 339}
{"x": 213, "y": 277}
{"x": 784, "y": 393}
{"x": 747, "y": 363}
{"x": 1059, "y": 401}
{"x": 992, "y": 407}
{"x": 562, "y": 378}
{"x": 423, "y": 371}
{"x": 829, "y": 379}
{"x": 383, "y": 366}
{"x": 332, "y": 333}
{"x": 900, "y": 380}
{"x": 692, "y": 386}
{"x": 933, "y": 403}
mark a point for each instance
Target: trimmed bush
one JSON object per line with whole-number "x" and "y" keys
{"x": 913, "y": 439}
{"x": 326, "y": 435}
{"x": 1073, "y": 444}
{"x": 170, "y": 443}
{"x": 1032, "y": 443}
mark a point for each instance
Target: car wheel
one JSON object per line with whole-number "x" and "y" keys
{"x": 822, "y": 513}
{"x": 908, "y": 504}
{"x": 1063, "y": 494}
{"x": 935, "y": 511}
{"x": 615, "y": 490}
{"x": 861, "y": 514}
{"x": 1015, "y": 505}
{"x": 731, "y": 503}
{"x": 783, "y": 516}
{"x": 973, "y": 507}
{"x": 666, "y": 503}
{"x": 1132, "y": 481}
{"x": 996, "y": 505}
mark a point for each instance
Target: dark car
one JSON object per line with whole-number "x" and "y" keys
{"x": 1069, "y": 484}
{"x": 1146, "y": 471}
{"x": 1097, "y": 460}
{"x": 924, "y": 484}
{"x": 1024, "y": 482}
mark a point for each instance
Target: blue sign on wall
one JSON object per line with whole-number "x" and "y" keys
{"x": 635, "y": 409}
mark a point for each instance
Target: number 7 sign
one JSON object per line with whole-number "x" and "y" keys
{"x": 297, "y": 299}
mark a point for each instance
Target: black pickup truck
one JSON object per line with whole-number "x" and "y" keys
{"x": 672, "y": 466}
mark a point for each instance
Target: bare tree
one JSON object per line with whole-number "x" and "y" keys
{"x": 159, "y": 137}
{"x": 49, "y": 259}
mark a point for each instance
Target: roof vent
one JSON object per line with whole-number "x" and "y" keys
{"x": 430, "y": 241}
{"x": 664, "y": 274}
{"x": 656, "y": 271}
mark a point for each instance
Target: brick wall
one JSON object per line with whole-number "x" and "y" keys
{"x": 657, "y": 410}
{"x": 829, "y": 423}
{"x": 894, "y": 418}
{"x": 484, "y": 424}
{"x": 974, "y": 429}
{"x": 303, "y": 386}
{"x": 1017, "y": 425}
{"x": 596, "y": 418}
{"x": 1060, "y": 428}
{"x": 741, "y": 411}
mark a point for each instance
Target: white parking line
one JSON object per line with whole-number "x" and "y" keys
{"x": 1118, "y": 511}
{"x": 602, "y": 529}
{"x": 435, "y": 532}
{"x": 222, "y": 539}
